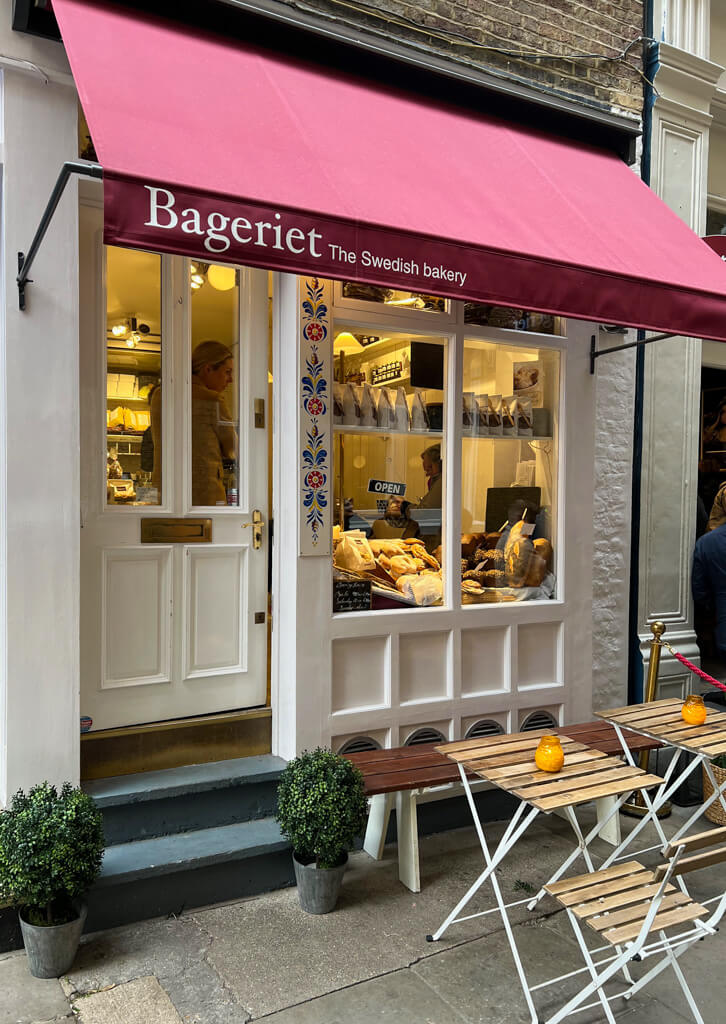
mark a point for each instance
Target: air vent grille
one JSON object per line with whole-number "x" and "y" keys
{"x": 539, "y": 720}
{"x": 425, "y": 735}
{"x": 485, "y": 727}
{"x": 359, "y": 744}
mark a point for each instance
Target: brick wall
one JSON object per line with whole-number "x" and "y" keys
{"x": 465, "y": 30}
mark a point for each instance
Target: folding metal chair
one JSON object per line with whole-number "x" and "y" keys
{"x": 632, "y": 907}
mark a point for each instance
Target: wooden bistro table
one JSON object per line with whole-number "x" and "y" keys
{"x": 662, "y": 720}
{"x": 508, "y": 762}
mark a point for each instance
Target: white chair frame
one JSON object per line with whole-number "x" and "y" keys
{"x": 639, "y": 949}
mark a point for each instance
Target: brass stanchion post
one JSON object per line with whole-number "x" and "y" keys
{"x": 636, "y": 807}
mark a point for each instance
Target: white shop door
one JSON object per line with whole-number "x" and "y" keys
{"x": 171, "y": 627}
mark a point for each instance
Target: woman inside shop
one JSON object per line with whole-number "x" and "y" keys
{"x": 214, "y": 434}
{"x": 431, "y": 462}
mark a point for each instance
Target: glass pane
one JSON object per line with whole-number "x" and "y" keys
{"x": 392, "y": 297}
{"x": 508, "y": 472}
{"x": 388, "y": 475}
{"x": 133, "y": 377}
{"x": 215, "y": 384}
{"x": 511, "y": 318}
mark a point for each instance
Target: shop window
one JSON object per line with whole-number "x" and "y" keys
{"x": 391, "y": 297}
{"x": 424, "y": 735}
{"x": 133, "y": 377}
{"x": 389, "y": 439}
{"x": 511, "y": 318}
{"x": 509, "y": 473}
{"x": 359, "y": 745}
{"x": 715, "y": 222}
{"x": 538, "y": 720}
{"x": 215, "y": 380}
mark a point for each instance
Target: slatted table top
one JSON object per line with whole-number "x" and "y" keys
{"x": 401, "y": 768}
{"x": 508, "y": 761}
{"x": 661, "y": 719}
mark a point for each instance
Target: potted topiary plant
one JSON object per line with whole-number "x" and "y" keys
{"x": 51, "y": 847}
{"x": 321, "y": 808}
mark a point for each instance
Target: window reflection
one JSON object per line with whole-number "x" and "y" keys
{"x": 214, "y": 384}
{"x": 509, "y": 408}
{"x": 133, "y": 377}
{"x": 388, "y": 426}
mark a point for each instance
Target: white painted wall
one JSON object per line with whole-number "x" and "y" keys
{"x": 39, "y": 730}
{"x": 382, "y": 674}
{"x": 611, "y": 522}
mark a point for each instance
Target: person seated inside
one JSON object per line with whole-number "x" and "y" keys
{"x": 396, "y": 524}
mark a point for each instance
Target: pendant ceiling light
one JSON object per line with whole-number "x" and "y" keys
{"x": 222, "y": 278}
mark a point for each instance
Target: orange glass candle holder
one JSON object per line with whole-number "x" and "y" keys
{"x": 694, "y": 710}
{"x": 549, "y": 755}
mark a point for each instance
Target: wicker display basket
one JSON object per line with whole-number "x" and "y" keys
{"x": 715, "y": 812}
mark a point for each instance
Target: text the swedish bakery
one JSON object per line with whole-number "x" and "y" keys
{"x": 219, "y": 231}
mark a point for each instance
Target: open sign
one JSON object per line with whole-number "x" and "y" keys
{"x": 386, "y": 487}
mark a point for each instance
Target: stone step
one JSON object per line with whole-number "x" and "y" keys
{"x": 173, "y": 873}
{"x": 187, "y": 799}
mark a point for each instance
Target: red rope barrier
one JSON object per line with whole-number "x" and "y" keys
{"x": 696, "y": 670}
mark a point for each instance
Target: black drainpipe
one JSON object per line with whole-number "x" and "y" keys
{"x": 635, "y": 661}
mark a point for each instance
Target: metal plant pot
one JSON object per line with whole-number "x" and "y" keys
{"x": 52, "y": 948}
{"x": 318, "y": 888}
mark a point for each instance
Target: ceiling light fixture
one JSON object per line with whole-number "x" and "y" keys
{"x": 197, "y": 275}
{"x": 118, "y": 330}
{"x": 222, "y": 278}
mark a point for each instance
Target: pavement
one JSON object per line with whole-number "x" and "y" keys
{"x": 264, "y": 959}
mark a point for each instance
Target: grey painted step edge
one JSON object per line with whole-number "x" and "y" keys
{"x": 145, "y": 858}
{"x": 171, "y": 782}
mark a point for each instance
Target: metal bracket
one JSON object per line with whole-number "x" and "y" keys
{"x": 595, "y": 353}
{"x": 25, "y": 262}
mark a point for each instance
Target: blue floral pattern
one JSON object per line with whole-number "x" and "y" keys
{"x": 314, "y": 389}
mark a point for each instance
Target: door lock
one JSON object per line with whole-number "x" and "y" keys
{"x": 258, "y": 525}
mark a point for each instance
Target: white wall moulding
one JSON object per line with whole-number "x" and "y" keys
{"x": 486, "y": 665}
{"x": 315, "y": 417}
{"x": 684, "y": 24}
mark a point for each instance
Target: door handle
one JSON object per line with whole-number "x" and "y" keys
{"x": 258, "y": 525}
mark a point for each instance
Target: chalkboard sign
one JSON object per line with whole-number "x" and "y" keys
{"x": 351, "y": 595}
{"x": 500, "y": 499}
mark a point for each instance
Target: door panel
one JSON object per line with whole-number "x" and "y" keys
{"x": 136, "y": 587}
{"x": 170, "y": 630}
{"x": 216, "y": 612}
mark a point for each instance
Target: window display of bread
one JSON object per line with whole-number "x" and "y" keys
{"x": 544, "y": 549}
{"x": 517, "y": 557}
{"x": 386, "y": 562}
{"x": 470, "y": 542}
{"x": 424, "y": 589}
{"x": 353, "y": 552}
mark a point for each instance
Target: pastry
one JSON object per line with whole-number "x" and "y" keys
{"x": 470, "y": 542}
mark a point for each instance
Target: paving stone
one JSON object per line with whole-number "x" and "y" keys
{"x": 176, "y": 950}
{"x": 143, "y": 1001}
{"x": 314, "y": 954}
{"x": 25, "y": 999}
{"x": 398, "y": 998}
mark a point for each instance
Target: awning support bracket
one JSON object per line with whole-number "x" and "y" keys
{"x": 595, "y": 353}
{"x": 25, "y": 262}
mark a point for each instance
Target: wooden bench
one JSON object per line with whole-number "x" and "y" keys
{"x": 406, "y": 776}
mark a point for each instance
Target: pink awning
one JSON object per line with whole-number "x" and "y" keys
{"x": 224, "y": 151}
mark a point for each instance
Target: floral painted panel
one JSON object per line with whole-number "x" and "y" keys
{"x": 315, "y": 419}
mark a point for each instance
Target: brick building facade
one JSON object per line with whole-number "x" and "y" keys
{"x": 590, "y": 53}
